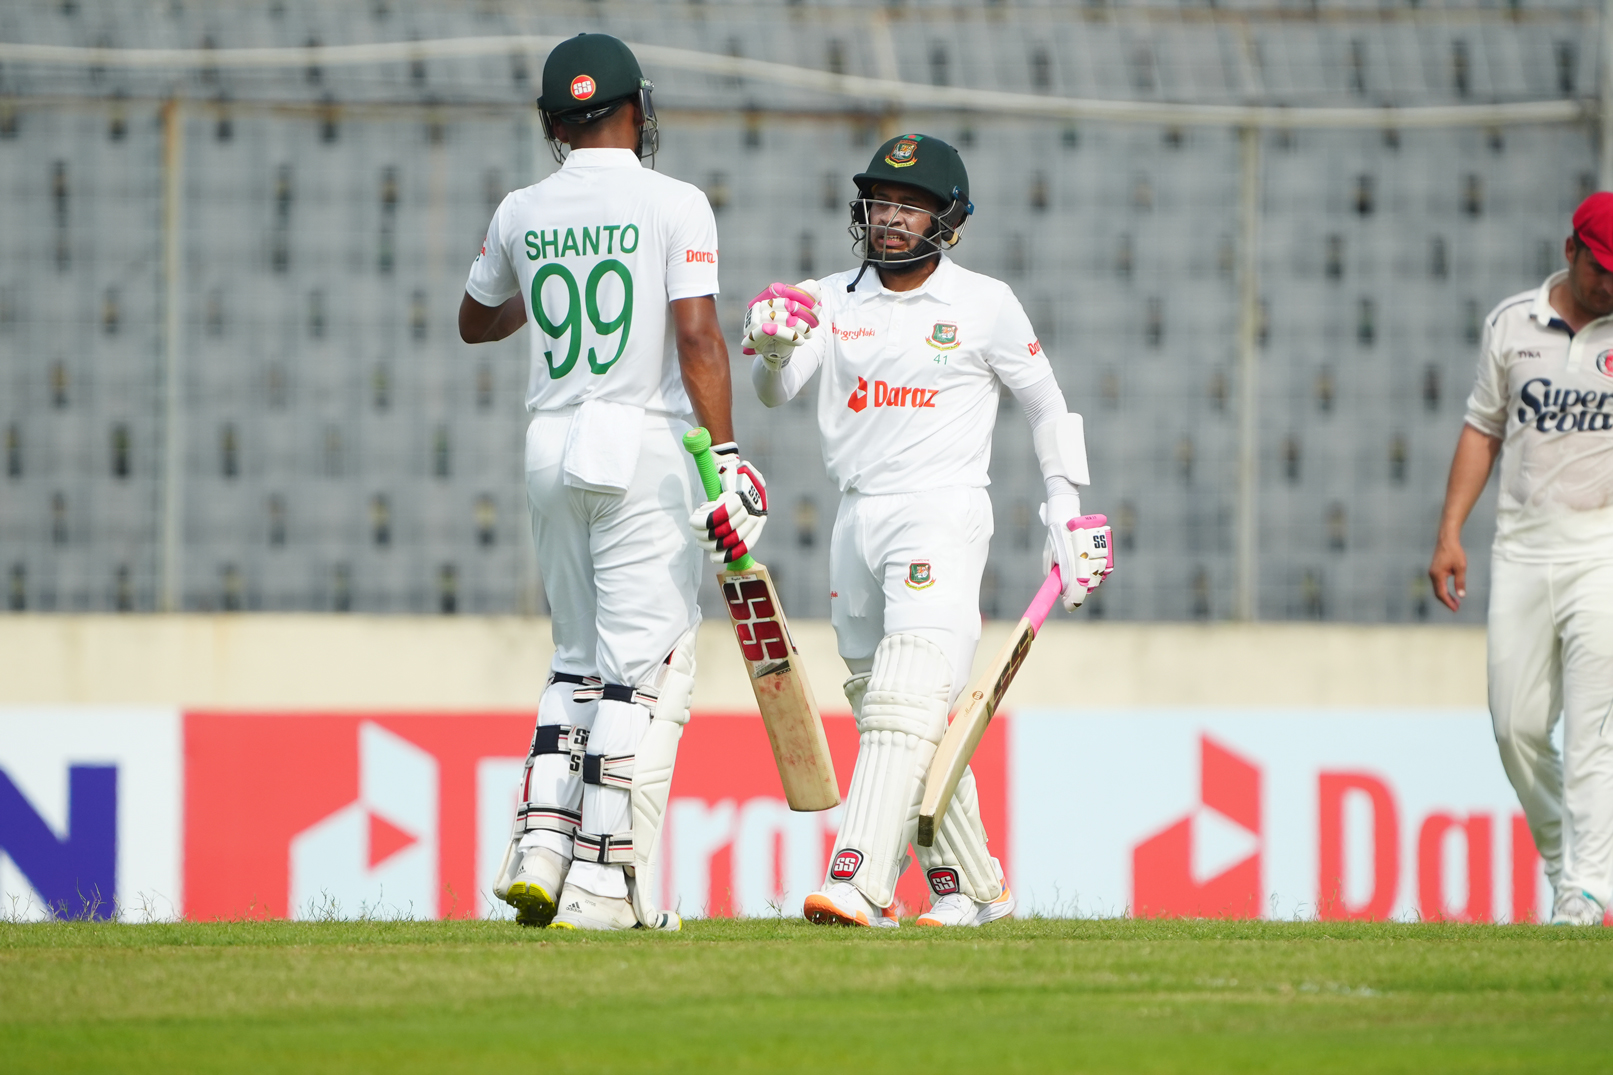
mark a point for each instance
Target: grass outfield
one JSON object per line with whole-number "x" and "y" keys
{"x": 768, "y": 996}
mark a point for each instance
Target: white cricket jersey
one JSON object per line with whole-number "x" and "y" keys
{"x": 911, "y": 379}
{"x": 597, "y": 250}
{"x": 1548, "y": 394}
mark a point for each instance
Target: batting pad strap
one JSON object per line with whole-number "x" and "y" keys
{"x": 607, "y": 849}
{"x": 608, "y": 770}
{"x": 615, "y": 692}
{"x": 568, "y": 677}
{"x": 532, "y": 817}
{"x": 558, "y": 739}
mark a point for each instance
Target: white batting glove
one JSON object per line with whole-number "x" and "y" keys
{"x": 1085, "y": 554}
{"x": 779, "y": 320}
{"x": 728, "y": 527}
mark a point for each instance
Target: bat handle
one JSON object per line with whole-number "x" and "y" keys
{"x": 1043, "y": 602}
{"x": 697, "y": 442}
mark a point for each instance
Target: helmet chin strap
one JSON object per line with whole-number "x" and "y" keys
{"x": 859, "y": 278}
{"x": 905, "y": 263}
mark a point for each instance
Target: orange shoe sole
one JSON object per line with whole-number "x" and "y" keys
{"x": 822, "y": 912}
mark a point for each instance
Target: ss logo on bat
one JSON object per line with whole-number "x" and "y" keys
{"x": 761, "y": 636}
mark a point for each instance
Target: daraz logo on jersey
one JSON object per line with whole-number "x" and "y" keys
{"x": 890, "y": 395}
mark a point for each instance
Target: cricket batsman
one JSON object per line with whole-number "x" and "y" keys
{"x": 913, "y": 355}
{"x": 1543, "y": 402}
{"x": 615, "y": 266}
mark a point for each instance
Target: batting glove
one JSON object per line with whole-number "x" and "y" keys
{"x": 779, "y": 320}
{"x": 1083, "y": 547}
{"x": 728, "y": 527}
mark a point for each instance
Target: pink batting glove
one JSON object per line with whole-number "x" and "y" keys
{"x": 797, "y": 304}
{"x": 1095, "y": 548}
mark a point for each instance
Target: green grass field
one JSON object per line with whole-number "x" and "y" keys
{"x": 765, "y": 996}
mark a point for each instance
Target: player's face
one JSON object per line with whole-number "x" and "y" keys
{"x": 1589, "y": 283}
{"x": 898, "y": 216}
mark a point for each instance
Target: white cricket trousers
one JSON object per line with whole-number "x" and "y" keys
{"x": 910, "y": 563}
{"x": 1551, "y": 654}
{"x": 621, "y": 571}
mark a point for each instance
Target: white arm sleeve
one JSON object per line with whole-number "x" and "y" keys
{"x": 777, "y": 387}
{"x": 1044, "y": 406}
{"x": 1041, "y": 401}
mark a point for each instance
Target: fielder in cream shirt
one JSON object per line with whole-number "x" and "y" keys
{"x": 1543, "y": 402}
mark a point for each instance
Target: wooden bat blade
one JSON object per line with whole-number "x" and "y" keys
{"x": 967, "y": 727}
{"x": 778, "y": 680}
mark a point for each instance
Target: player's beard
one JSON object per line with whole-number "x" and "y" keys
{"x": 911, "y": 248}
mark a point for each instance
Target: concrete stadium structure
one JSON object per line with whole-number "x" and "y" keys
{"x": 230, "y": 377}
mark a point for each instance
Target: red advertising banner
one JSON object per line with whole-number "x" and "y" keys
{"x": 338, "y": 815}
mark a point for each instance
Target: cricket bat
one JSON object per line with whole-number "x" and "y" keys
{"x": 976, "y": 709}
{"x": 777, "y": 677}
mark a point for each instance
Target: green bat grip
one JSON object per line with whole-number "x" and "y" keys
{"x": 698, "y": 443}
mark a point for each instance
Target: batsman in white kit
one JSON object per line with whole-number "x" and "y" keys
{"x": 1543, "y": 402}
{"x": 913, "y": 355}
{"x": 615, "y": 265}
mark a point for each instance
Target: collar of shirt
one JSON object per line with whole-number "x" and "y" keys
{"x": 936, "y": 286}
{"x": 1541, "y": 310}
{"x": 601, "y": 158}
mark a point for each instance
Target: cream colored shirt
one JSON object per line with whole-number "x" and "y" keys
{"x": 1548, "y": 395}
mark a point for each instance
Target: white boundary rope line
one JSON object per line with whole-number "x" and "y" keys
{"x": 854, "y": 86}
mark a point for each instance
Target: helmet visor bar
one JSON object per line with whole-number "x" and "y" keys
{"x": 881, "y": 232}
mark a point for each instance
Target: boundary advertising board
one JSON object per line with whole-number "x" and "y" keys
{"x": 155, "y": 813}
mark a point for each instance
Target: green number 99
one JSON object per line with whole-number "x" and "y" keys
{"x": 623, "y": 320}
{"x": 570, "y": 326}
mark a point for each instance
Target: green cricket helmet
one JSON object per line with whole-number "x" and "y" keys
{"x": 930, "y": 165}
{"x": 588, "y": 77}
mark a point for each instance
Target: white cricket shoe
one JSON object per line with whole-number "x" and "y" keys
{"x": 959, "y": 910}
{"x": 532, "y": 886}
{"x": 1576, "y": 909}
{"x": 840, "y": 904}
{"x": 581, "y": 909}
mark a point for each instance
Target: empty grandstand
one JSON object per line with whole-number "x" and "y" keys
{"x": 230, "y": 376}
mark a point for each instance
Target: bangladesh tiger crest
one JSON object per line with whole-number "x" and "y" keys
{"x": 943, "y": 337}
{"x": 918, "y": 575}
{"x": 905, "y": 152}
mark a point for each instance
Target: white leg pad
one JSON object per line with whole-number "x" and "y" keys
{"x": 604, "y": 837}
{"x": 551, "y": 786}
{"x": 959, "y": 861}
{"x": 904, "y": 715}
{"x": 652, "y": 778}
{"x": 856, "y": 688}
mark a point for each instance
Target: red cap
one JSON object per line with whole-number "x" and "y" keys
{"x": 1593, "y": 223}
